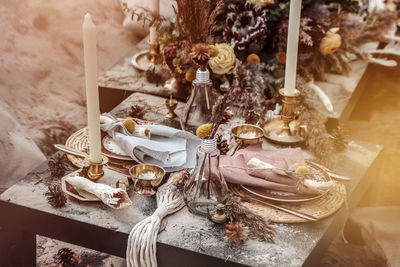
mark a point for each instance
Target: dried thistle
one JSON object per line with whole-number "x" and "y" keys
{"x": 65, "y": 257}
{"x": 55, "y": 196}
{"x": 222, "y": 145}
{"x": 257, "y": 224}
{"x": 236, "y": 233}
{"x": 242, "y": 24}
{"x": 200, "y": 54}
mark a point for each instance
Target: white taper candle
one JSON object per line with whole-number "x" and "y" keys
{"x": 292, "y": 46}
{"x": 92, "y": 93}
{"x": 155, "y": 8}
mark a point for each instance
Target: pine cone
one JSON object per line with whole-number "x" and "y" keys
{"x": 137, "y": 111}
{"x": 84, "y": 171}
{"x": 58, "y": 165}
{"x": 222, "y": 145}
{"x": 66, "y": 257}
{"x": 252, "y": 117}
{"x": 55, "y": 196}
{"x": 236, "y": 232}
{"x": 200, "y": 54}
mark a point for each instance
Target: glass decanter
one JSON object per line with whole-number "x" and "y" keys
{"x": 206, "y": 186}
{"x": 199, "y": 105}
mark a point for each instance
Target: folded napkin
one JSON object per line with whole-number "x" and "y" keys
{"x": 236, "y": 170}
{"x": 168, "y": 147}
{"x": 115, "y": 198}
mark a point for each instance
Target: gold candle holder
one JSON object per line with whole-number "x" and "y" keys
{"x": 287, "y": 130}
{"x": 171, "y": 106}
{"x": 154, "y": 52}
{"x": 95, "y": 171}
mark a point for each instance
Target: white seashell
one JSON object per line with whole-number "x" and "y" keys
{"x": 321, "y": 94}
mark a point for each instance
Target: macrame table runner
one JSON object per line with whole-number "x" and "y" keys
{"x": 142, "y": 241}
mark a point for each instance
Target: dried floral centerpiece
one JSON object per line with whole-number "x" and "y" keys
{"x": 248, "y": 39}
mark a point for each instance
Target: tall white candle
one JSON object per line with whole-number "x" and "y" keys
{"x": 92, "y": 93}
{"x": 292, "y": 46}
{"x": 155, "y": 8}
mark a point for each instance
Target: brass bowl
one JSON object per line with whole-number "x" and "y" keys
{"x": 241, "y": 129}
{"x": 144, "y": 185}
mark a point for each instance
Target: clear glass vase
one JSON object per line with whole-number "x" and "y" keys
{"x": 206, "y": 186}
{"x": 199, "y": 112}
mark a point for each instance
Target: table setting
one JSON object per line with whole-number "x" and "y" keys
{"x": 239, "y": 162}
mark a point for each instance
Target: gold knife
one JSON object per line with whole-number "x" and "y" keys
{"x": 290, "y": 211}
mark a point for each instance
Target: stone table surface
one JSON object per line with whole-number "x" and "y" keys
{"x": 295, "y": 244}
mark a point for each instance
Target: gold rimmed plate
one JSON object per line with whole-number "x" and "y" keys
{"x": 110, "y": 177}
{"x": 141, "y": 60}
{"x": 318, "y": 174}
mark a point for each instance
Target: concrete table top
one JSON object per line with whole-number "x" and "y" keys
{"x": 187, "y": 240}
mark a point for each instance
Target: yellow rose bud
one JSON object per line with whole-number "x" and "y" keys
{"x": 203, "y": 130}
{"x": 302, "y": 169}
{"x": 253, "y": 59}
{"x": 130, "y": 125}
{"x": 331, "y": 42}
{"x": 190, "y": 75}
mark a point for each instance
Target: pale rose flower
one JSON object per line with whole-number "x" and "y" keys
{"x": 225, "y": 60}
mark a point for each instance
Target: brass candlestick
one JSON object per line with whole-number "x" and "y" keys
{"x": 147, "y": 59}
{"x": 95, "y": 171}
{"x": 154, "y": 52}
{"x": 171, "y": 105}
{"x": 287, "y": 130}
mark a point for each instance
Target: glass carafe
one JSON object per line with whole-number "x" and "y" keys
{"x": 206, "y": 186}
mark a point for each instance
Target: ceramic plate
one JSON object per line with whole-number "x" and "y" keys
{"x": 320, "y": 175}
{"x": 141, "y": 60}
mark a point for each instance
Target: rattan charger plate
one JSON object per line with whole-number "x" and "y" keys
{"x": 79, "y": 141}
{"x": 320, "y": 208}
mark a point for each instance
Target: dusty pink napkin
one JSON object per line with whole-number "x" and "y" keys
{"x": 289, "y": 159}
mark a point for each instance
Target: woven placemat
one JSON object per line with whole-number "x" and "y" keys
{"x": 320, "y": 208}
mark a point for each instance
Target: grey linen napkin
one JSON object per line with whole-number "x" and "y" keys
{"x": 169, "y": 148}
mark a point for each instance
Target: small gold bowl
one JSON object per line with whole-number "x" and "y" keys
{"x": 247, "y": 133}
{"x": 146, "y": 178}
